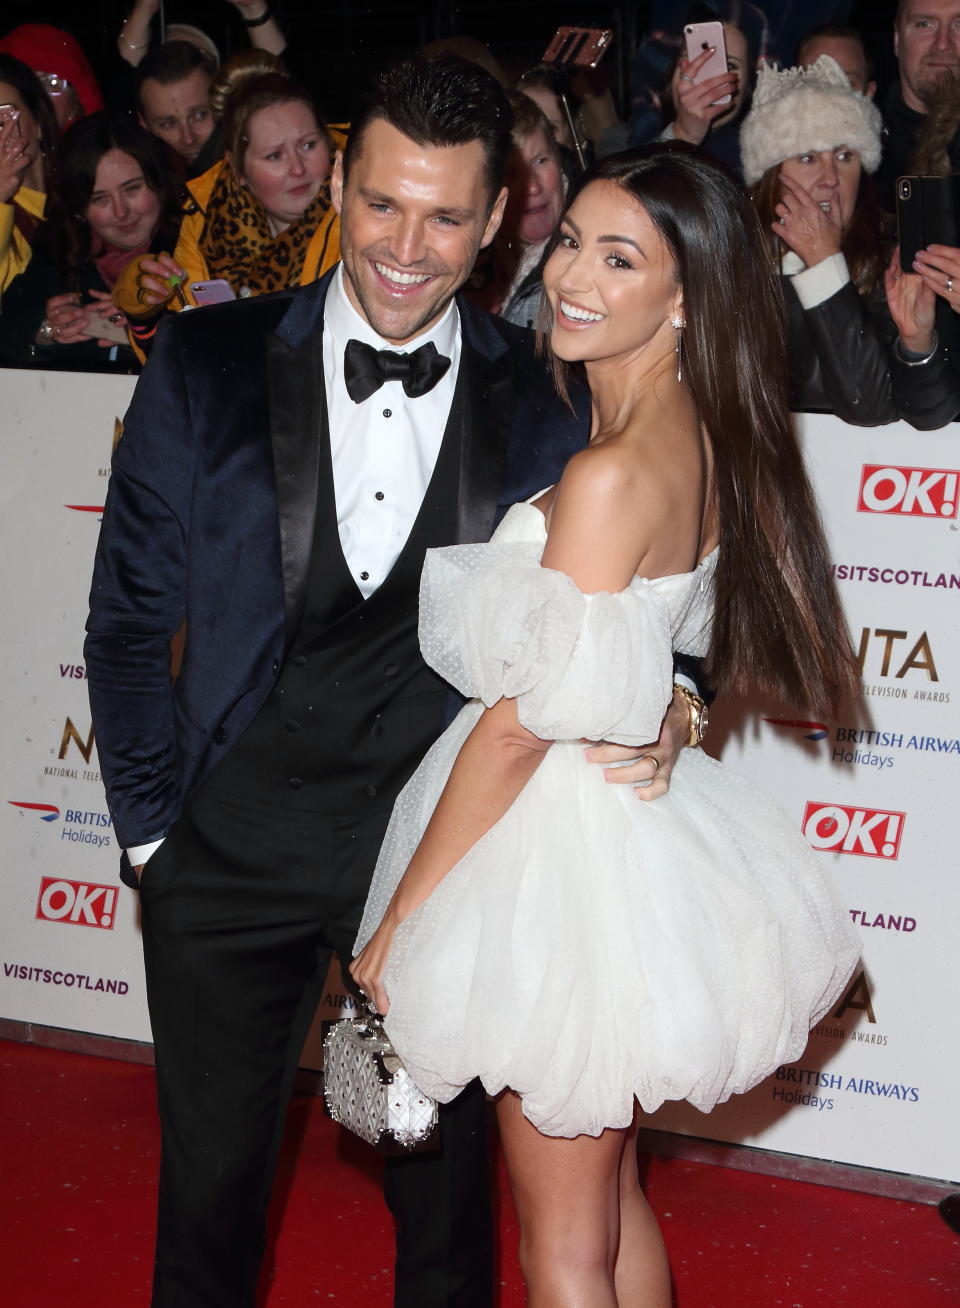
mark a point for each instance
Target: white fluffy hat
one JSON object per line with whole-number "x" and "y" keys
{"x": 800, "y": 109}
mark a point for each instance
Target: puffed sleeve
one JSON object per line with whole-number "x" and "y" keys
{"x": 494, "y": 623}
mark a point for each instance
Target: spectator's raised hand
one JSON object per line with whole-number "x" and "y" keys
{"x": 266, "y": 32}
{"x": 696, "y": 109}
{"x": 939, "y": 266}
{"x": 912, "y": 306}
{"x": 804, "y": 225}
{"x": 13, "y": 157}
{"x": 153, "y": 280}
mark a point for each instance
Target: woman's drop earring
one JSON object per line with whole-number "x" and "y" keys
{"x": 678, "y": 324}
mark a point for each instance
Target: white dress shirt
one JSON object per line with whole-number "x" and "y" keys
{"x": 384, "y": 450}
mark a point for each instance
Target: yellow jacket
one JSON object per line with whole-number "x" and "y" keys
{"x": 15, "y": 251}
{"x": 322, "y": 252}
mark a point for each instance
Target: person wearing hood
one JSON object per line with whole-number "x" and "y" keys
{"x": 62, "y": 67}
{"x": 862, "y": 335}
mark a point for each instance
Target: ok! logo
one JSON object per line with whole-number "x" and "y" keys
{"x": 911, "y": 492}
{"x": 843, "y": 829}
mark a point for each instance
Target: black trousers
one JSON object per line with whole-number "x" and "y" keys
{"x": 240, "y": 914}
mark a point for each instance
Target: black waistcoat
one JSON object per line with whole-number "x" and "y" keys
{"x": 355, "y": 707}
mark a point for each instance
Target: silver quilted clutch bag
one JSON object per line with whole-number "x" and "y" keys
{"x": 367, "y": 1089}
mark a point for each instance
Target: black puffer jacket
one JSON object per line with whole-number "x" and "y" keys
{"x": 843, "y": 360}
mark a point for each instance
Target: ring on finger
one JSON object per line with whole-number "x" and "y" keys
{"x": 656, "y": 762}
{"x": 949, "y": 285}
{"x": 684, "y": 77}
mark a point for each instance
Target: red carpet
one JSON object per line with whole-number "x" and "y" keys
{"x": 77, "y": 1169}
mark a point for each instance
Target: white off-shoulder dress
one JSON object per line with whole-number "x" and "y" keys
{"x": 590, "y": 949}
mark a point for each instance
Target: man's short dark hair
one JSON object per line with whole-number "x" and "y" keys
{"x": 442, "y": 102}
{"x": 837, "y": 32}
{"x": 168, "y": 63}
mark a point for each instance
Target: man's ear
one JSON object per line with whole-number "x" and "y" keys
{"x": 336, "y": 182}
{"x": 871, "y": 90}
{"x": 495, "y": 218}
{"x": 141, "y": 121}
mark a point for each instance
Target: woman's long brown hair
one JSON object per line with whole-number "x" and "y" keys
{"x": 778, "y": 625}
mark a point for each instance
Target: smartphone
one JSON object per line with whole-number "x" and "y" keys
{"x": 705, "y": 36}
{"x": 927, "y": 209}
{"x": 581, "y": 47}
{"x": 216, "y": 292}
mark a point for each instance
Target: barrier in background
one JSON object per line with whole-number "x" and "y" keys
{"x": 873, "y": 791}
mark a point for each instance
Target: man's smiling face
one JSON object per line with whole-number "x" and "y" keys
{"x": 412, "y": 220}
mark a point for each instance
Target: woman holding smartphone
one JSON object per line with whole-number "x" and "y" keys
{"x": 710, "y": 87}
{"x": 114, "y": 198}
{"x": 862, "y": 334}
{"x": 260, "y": 219}
{"x": 585, "y": 955}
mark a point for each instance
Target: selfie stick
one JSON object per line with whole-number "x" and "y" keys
{"x": 570, "y": 123}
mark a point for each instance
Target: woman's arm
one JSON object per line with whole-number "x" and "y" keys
{"x": 500, "y": 755}
{"x": 264, "y": 31}
{"x": 134, "y": 38}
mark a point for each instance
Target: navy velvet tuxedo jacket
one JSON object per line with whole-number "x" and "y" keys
{"x": 210, "y": 520}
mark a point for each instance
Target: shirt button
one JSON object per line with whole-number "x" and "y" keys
{"x": 391, "y": 670}
{"x": 292, "y": 725}
{"x": 275, "y": 667}
{"x": 369, "y": 790}
{"x": 295, "y": 783}
{"x": 220, "y": 737}
{"x": 364, "y": 576}
{"x": 298, "y": 660}
{"x": 388, "y": 413}
{"x": 376, "y": 730}
{"x": 379, "y": 495}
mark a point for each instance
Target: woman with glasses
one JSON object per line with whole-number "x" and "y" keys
{"x": 113, "y": 199}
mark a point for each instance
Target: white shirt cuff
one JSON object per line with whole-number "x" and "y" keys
{"x": 679, "y": 679}
{"x": 816, "y": 284}
{"x": 138, "y": 854}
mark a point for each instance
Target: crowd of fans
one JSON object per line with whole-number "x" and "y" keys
{"x": 211, "y": 181}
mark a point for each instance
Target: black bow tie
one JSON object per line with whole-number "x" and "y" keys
{"x": 366, "y": 369}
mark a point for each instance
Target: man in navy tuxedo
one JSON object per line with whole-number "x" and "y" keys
{"x": 285, "y": 463}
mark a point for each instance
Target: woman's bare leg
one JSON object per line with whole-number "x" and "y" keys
{"x": 568, "y": 1196}
{"x": 642, "y": 1273}
{"x": 567, "y": 1199}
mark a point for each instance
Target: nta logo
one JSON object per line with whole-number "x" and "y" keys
{"x": 77, "y": 903}
{"x": 45, "y": 812}
{"x": 870, "y": 832}
{"x": 70, "y": 733}
{"x": 912, "y": 492}
{"x": 881, "y": 640}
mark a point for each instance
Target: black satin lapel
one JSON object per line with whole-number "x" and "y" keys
{"x": 483, "y": 405}
{"x": 297, "y": 418}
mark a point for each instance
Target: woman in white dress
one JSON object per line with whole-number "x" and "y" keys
{"x": 582, "y": 953}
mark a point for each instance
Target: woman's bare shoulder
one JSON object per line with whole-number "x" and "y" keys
{"x": 611, "y": 477}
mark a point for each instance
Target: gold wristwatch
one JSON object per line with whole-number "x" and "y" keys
{"x": 698, "y": 715}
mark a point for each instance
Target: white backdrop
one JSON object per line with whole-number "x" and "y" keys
{"x": 873, "y": 790}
